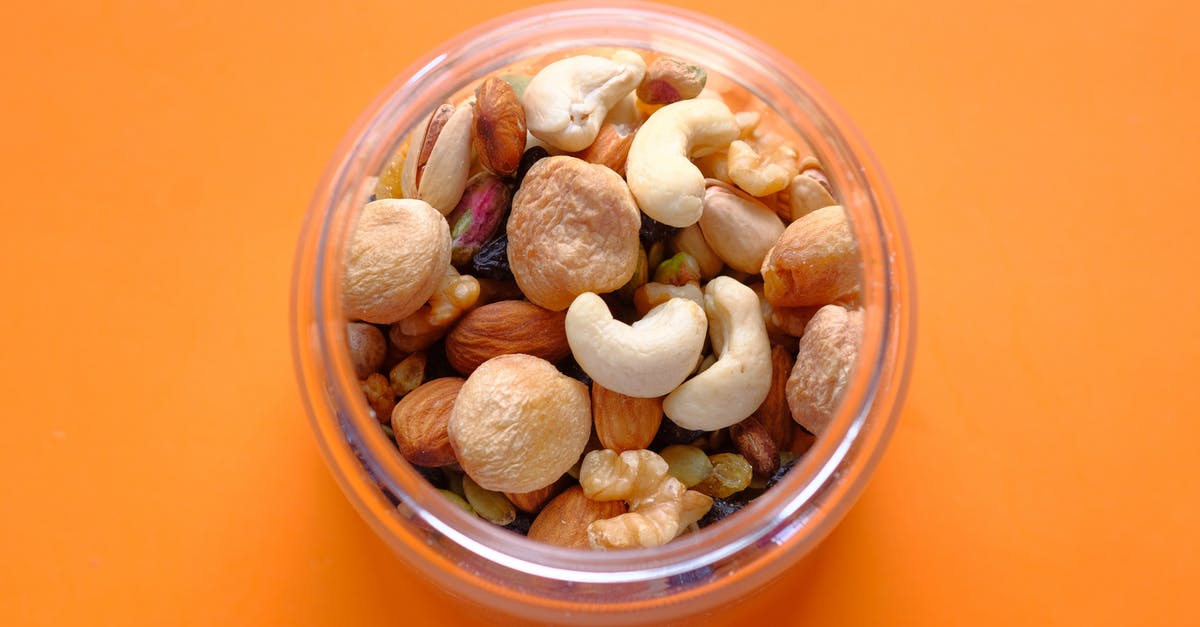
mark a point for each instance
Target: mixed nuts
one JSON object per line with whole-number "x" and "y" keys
{"x": 603, "y": 301}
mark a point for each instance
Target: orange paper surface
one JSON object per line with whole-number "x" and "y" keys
{"x": 157, "y": 466}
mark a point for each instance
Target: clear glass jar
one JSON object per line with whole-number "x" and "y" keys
{"x": 697, "y": 572}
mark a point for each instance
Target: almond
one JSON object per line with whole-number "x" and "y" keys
{"x": 624, "y": 423}
{"x": 610, "y": 147}
{"x": 504, "y": 328}
{"x": 419, "y": 422}
{"x": 532, "y": 502}
{"x": 753, "y": 442}
{"x": 564, "y": 520}
{"x": 774, "y": 414}
{"x": 499, "y": 133}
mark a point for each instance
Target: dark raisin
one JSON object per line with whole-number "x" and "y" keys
{"x": 531, "y": 156}
{"x": 572, "y": 369}
{"x": 436, "y": 364}
{"x": 654, "y": 231}
{"x": 491, "y": 262}
{"x": 372, "y": 198}
{"x": 670, "y": 433}
{"x": 434, "y": 476}
{"x": 719, "y": 510}
{"x": 778, "y": 476}
{"x": 521, "y": 523}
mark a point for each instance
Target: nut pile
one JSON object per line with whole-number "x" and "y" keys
{"x": 602, "y": 301}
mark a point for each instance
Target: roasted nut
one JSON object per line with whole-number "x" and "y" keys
{"x": 646, "y": 359}
{"x": 651, "y": 295}
{"x": 409, "y": 373}
{"x": 691, "y": 241}
{"x": 611, "y": 147}
{"x": 437, "y": 172}
{"x": 666, "y": 184}
{"x": 687, "y": 463}
{"x": 533, "y": 501}
{"x": 506, "y": 327}
{"x": 827, "y": 353}
{"x": 367, "y": 348}
{"x": 758, "y": 174}
{"x": 774, "y": 414}
{"x": 747, "y": 122}
{"x": 499, "y": 130}
{"x": 739, "y": 381}
{"x": 564, "y": 520}
{"x": 419, "y": 422}
{"x": 380, "y": 397}
{"x": 815, "y": 262}
{"x": 518, "y": 424}
{"x": 573, "y": 229}
{"x": 454, "y": 296}
{"x": 679, "y": 270}
{"x": 789, "y": 321}
{"x": 640, "y": 478}
{"x": 756, "y": 445}
{"x": 807, "y": 192}
{"x": 396, "y": 260}
{"x": 738, "y": 228}
{"x": 624, "y": 423}
{"x": 670, "y": 80}
{"x": 567, "y": 100}
{"x": 491, "y": 506}
{"x": 731, "y": 474}
{"x": 478, "y": 216}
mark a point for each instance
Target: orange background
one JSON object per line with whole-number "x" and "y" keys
{"x": 158, "y": 157}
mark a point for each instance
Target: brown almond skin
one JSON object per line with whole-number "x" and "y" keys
{"x": 419, "y": 422}
{"x": 499, "y": 134}
{"x": 503, "y": 328}
{"x": 564, "y": 520}
{"x": 624, "y": 423}
{"x": 774, "y": 414}
{"x": 756, "y": 445}
{"x": 532, "y": 502}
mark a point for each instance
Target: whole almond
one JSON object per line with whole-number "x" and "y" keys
{"x": 419, "y": 422}
{"x": 499, "y": 136}
{"x": 532, "y": 502}
{"x": 753, "y": 442}
{"x": 504, "y": 328}
{"x": 564, "y": 520}
{"x": 610, "y": 147}
{"x": 774, "y": 414}
{"x": 624, "y": 423}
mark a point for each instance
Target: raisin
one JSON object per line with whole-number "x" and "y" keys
{"x": 572, "y": 369}
{"x": 433, "y": 476}
{"x": 531, "y": 156}
{"x": 783, "y": 470}
{"x": 654, "y": 231}
{"x": 521, "y": 523}
{"x": 491, "y": 262}
{"x": 719, "y": 510}
{"x": 670, "y": 433}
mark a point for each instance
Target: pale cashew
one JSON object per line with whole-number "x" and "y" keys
{"x": 667, "y": 185}
{"x": 733, "y": 387}
{"x": 739, "y": 228}
{"x": 649, "y": 358}
{"x": 758, "y": 174}
{"x": 567, "y": 100}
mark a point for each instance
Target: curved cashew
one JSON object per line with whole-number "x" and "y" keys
{"x": 567, "y": 100}
{"x": 668, "y": 187}
{"x": 646, "y": 359}
{"x": 731, "y": 389}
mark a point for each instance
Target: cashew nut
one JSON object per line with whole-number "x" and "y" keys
{"x": 649, "y": 358}
{"x": 567, "y": 100}
{"x": 667, "y": 185}
{"x": 733, "y": 387}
